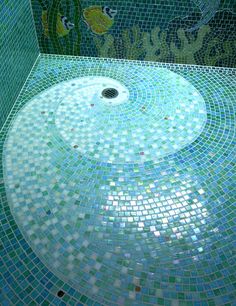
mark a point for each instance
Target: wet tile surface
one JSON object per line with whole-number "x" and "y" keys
{"x": 129, "y": 200}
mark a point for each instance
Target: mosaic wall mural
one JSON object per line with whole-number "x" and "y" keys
{"x": 208, "y": 39}
{"x": 187, "y": 31}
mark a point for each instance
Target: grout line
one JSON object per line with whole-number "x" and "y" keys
{"x": 32, "y": 16}
{"x": 41, "y": 55}
{"x": 22, "y": 88}
{"x": 141, "y": 61}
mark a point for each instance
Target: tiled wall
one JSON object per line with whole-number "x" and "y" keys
{"x": 180, "y": 31}
{"x": 18, "y": 51}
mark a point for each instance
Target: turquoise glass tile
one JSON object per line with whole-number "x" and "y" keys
{"x": 18, "y": 51}
{"x": 88, "y": 218}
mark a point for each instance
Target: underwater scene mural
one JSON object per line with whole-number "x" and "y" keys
{"x": 201, "y": 32}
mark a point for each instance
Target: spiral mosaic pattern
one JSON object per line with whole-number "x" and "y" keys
{"x": 157, "y": 114}
{"x": 118, "y": 203}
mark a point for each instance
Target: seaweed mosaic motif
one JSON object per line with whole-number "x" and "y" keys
{"x": 188, "y": 31}
{"x": 157, "y": 45}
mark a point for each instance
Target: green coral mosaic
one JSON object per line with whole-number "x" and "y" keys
{"x": 147, "y": 230}
{"x": 188, "y": 31}
{"x": 18, "y": 51}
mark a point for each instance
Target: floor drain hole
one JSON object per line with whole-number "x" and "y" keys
{"x": 110, "y": 93}
{"x": 60, "y": 293}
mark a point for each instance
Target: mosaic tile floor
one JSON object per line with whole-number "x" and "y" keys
{"x": 121, "y": 201}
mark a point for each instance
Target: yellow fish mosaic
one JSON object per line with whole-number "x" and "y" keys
{"x": 63, "y": 25}
{"x": 99, "y": 18}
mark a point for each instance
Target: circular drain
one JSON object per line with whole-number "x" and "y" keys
{"x": 110, "y": 93}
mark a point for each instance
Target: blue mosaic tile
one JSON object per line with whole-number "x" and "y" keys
{"x": 18, "y": 51}
{"x": 175, "y": 31}
{"x": 100, "y": 221}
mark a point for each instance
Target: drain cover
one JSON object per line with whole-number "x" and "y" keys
{"x": 110, "y": 93}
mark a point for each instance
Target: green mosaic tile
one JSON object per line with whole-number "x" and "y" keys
{"x": 175, "y": 31}
{"x": 18, "y": 51}
{"x": 128, "y": 230}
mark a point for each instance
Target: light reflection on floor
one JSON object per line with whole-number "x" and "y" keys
{"x": 137, "y": 218}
